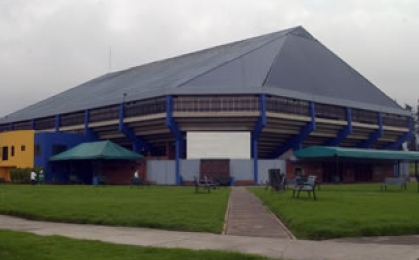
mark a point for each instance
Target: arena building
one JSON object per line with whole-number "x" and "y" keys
{"x": 285, "y": 89}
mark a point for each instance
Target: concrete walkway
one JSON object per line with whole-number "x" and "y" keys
{"x": 248, "y": 217}
{"x": 271, "y": 247}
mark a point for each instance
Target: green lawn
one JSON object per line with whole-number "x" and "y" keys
{"x": 171, "y": 208}
{"x": 18, "y": 246}
{"x": 347, "y": 211}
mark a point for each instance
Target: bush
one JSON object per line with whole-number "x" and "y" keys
{"x": 21, "y": 175}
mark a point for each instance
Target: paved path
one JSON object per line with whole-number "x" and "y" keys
{"x": 271, "y": 247}
{"x": 248, "y": 217}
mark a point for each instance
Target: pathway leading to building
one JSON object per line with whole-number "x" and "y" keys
{"x": 248, "y": 217}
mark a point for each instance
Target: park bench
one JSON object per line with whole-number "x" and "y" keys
{"x": 139, "y": 182}
{"x": 389, "y": 181}
{"x": 292, "y": 183}
{"x": 74, "y": 179}
{"x": 101, "y": 180}
{"x": 224, "y": 181}
{"x": 309, "y": 186}
{"x": 204, "y": 184}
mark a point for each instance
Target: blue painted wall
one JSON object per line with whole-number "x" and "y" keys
{"x": 46, "y": 142}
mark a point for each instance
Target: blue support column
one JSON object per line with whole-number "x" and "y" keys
{"x": 296, "y": 141}
{"x": 138, "y": 144}
{"x": 261, "y": 123}
{"x": 33, "y": 124}
{"x": 404, "y": 138}
{"x": 57, "y": 123}
{"x": 374, "y": 136}
{"x": 89, "y": 134}
{"x": 177, "y": 134}
{"x": 343, "y": 133}
{"x": 11, "y": 127}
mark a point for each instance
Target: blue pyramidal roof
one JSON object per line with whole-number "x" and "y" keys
{"x": 289, "y": 63}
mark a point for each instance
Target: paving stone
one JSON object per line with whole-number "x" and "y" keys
{"x": 248, "y": 217}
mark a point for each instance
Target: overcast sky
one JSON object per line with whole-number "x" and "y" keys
{"x": 48, "y": 46}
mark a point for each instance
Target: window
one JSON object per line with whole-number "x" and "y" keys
{"x": 58, "y": 148}
{"x": 12, "y": 151}
{"x": 5, "y": 153}
{"x": 22, "y": 148}
{"x": 37, "y": 150}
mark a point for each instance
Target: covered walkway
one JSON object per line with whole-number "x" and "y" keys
{"x": 338, "y": 164}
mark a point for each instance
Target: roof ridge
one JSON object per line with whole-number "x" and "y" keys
{"x": 228, "y": 44}
{"x": 274, "y": 61}
{"x": 241, "y": 55}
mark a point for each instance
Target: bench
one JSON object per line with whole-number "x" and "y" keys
{"x": 139, "y": 182}
{"x": 204, "y": 184}
{"x": 74, "y": 179}
{"x": 224, "y": 181}
{"x": 389, "y": 181}
{"x": 309, "y": 186}
{"x": 101, "y": 180}
{"x": 297, "y": 180}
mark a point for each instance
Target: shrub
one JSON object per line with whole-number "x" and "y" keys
{"x": 21, "y": 175}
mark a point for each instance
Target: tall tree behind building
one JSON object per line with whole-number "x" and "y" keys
{"x": 413, "y": 143}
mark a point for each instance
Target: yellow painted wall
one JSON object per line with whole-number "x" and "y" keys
{"x": 23, "y": 143}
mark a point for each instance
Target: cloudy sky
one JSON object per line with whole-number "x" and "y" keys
{"x": 48, "y": 46}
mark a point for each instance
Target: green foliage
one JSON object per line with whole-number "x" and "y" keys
{"x": 412, "y": 169}
{"x": 347, "y": 211}
{"x": 37, "y": 169}
{"x": 172, "y": 208}
{"x": 21, "y": 175}
{"x": 18, "y": 245}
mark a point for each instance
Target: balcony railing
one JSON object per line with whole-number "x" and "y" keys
{"x": 364, "y": 116}
{"x": 216, "y": 104}
{"x": 145, "y": 107}
{"x": 76, "y": 118}
{"x": 44, "y": 123}
{"x": 287, "y": 105}
{"x": 395, "y": 120}
{"x": 104, "y": 113}
{"x": 330, "y": 112}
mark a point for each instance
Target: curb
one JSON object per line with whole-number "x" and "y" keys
{"x": 224, "y": 232}
{"x": 291, "y": 236}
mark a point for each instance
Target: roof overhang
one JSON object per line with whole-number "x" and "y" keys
{"x": 322, "y": 152}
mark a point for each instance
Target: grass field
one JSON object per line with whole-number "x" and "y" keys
{"x": 171, "y": 208}
{"x": 347, "y": 211}
{"x": 17, "y": 246}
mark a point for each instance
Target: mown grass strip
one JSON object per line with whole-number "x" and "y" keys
{"x": 347, "y": 211}
{"x": 171, "y": 208}
{"x": 18, "y": 245}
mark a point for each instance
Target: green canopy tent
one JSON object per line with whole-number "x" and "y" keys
{"x": 96, "y": 152}
{"x": 372, "y": 154}
{"x": 327, "y": 152}
{"x": 102, "y": 150}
